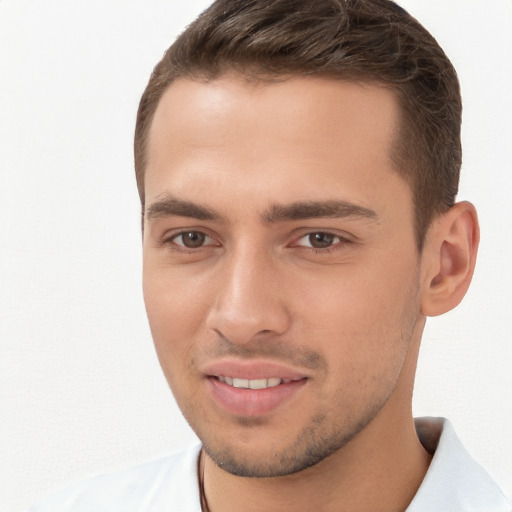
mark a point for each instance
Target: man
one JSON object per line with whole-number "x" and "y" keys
{"x": 297, "y": 164}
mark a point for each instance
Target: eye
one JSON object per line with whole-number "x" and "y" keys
{"x": 319, "y": 240}
{"x": 192, "y": 239}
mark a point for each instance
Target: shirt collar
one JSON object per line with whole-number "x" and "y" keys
{"x": 454, "y": 482}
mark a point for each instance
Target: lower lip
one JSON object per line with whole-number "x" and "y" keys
{"x": 252, "y": 402}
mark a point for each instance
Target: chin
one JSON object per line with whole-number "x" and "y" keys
{"x": 311, "y": 447}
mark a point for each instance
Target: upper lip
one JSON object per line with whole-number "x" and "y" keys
{"x": 251, "y": 369}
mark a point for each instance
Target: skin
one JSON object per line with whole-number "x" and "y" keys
{"x": 255, "y": 285}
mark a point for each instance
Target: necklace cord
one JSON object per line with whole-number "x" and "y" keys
{"x": 202, "y": 494}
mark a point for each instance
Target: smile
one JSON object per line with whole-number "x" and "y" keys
{"x": 252, "y": 383}
{"x": 252, "y": 397}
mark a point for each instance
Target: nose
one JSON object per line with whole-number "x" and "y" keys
{"x": 250, "y": 301}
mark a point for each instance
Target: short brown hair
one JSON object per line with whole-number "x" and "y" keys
{"x": 356, "y": 40}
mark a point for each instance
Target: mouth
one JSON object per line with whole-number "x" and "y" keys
{"x": 251, "y": 388}
{"x": 252, "y": 383}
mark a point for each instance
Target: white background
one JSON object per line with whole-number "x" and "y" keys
{"x": 81, "y": 389}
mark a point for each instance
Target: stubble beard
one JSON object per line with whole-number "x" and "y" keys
{"x": 315, "y": 443}
{"x": 322, "y": 436}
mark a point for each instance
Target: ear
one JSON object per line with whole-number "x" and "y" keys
{"x": 448, "y": 258}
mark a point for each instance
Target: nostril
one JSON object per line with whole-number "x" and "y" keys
{"x": 243, "y": 322}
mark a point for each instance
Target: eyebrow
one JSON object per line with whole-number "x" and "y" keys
{"x": 317, "y": 209}
{"x": 170, "y": 206}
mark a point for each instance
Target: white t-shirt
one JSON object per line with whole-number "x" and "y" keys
{"x": 454, "y": 483}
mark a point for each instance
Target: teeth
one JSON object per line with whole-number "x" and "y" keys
{"x": 258, "y": 384}
{"x": 240, "y": 383}
{"x": 252, "y": 383}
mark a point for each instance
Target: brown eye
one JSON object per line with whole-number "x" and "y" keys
{"x": 190, "y": 239}
{"x": 321, "y": 240}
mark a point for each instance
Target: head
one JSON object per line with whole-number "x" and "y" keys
{"x": 371, "y": 41}
{"x": 297, "y": 163}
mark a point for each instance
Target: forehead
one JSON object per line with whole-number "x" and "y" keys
{"x": 275, "y": 136}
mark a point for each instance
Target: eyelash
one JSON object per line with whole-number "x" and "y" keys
{"x": 170, "y": 241}
{"x": 341, "y": 242}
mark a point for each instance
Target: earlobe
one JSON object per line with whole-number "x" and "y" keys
{"x": 449, "y": 258}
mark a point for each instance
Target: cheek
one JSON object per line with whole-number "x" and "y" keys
{"x": 176, "y": 306}
{"x": 363, "y": 321}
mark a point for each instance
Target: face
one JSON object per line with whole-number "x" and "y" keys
{"x": 280, "y": 266}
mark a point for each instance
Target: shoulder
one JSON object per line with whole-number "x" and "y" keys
{"x": 169, "y": 483}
